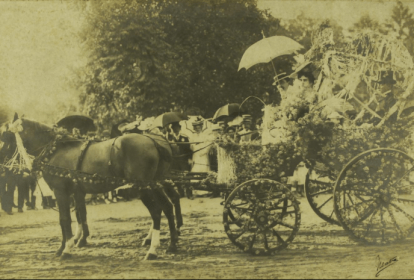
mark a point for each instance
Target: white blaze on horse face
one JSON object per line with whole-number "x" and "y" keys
{"x": 155, "y": 242}
{"x": 78, "y": 231}
{"x": 69, "y": 245}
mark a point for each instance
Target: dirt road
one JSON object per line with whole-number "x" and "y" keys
{"x": 28, "y": 242}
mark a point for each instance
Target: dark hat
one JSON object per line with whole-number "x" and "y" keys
{"x": 247, "y": 118}
{"x": 198, "y": 122}
{"x": 221, "y": 123}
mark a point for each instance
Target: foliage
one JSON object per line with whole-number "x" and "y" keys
{"x": 252, "y": 160}
{"x": 302, "y": 28}
{"x": 147, "y": 57}
{"x": 401, "y": 25}
{"x": 365, "y": 23}
{"x": 334, "y": 144}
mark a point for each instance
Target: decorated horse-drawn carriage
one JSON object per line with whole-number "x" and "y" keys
{"x": 360, "y": 169}
{"x": 355, "y": 141}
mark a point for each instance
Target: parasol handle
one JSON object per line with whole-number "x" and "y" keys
{"x": 273, "y": 65}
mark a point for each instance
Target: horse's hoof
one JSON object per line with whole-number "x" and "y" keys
{"x": 81, "y": 243}
{"x": 146, "y": 242}
{"x": 58, "y": 253}
{"x": 150, "y": 257}
{"x": 65, "y": 256}
{"x": 178, "y": 232}
{"x": 171, "y": 249}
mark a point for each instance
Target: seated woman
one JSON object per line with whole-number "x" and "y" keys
{"x": 297, "y": 99}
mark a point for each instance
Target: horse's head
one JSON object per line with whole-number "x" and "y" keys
{"x": 34, "y": 135}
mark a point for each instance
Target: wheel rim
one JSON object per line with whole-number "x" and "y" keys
{"x": 320, "y": 197}
{"x": 261, "y": 217}
{"x": 374, "y": 196}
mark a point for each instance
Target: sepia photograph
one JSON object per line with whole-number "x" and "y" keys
{"x": 206, "y": 139}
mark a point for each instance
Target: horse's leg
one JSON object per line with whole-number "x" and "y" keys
{"x": 147, "y": 239}
{"x": 78, "y": 232}
{"x": 175, "y": 196}
{"x": 167, "y": 207}
{"x": 82, "y": 227}
{"x": 155, "y": 212}
{"x": 62, "y": 246}
{"x": 63, "y": 200}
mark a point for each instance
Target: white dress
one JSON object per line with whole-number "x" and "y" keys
{"x": 201, "y": 161}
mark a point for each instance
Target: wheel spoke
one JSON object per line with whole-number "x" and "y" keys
{"x": 242, "y": 209}
{"x": 383, "y": 224}
{"x": 355, "y": 205}
{"x": 323, "y": 204}
{"x": 322, "y": 192}
{"x": 405, "y": 200}
{"x": 286, "y": 225}
{"x": 253, "y": 240}
{"x": 356, "y": 210}
{"x": 370, "y": 220}
{"x": 236, "y": 205}
{"x": 405, "y": 174}
{"x": 411, "y": 218}
{"x": 239, "y": 235}
{"x": 399, "y": 231}
{"x": 266, "y": 245}
{"x": 279, "y": 238}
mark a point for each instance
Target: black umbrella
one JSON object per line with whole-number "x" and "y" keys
{"x": 83, "y": 123}
{"x": 232, "y": 109}
{"x": 167, "y": 118}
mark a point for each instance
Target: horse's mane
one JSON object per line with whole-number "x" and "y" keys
{"x": 36, "y": 125}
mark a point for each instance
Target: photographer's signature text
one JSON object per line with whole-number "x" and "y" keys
{"x": 383, "y": 265}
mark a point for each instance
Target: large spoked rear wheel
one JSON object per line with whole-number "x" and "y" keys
{"x": 374, "y": 196}
{"x": 261, "y": 217}
{"x": 319, "y": 193}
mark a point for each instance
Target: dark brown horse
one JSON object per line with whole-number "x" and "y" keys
{"x": 134, "y": 157}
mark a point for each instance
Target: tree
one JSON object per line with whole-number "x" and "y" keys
{"x": 302, "y": 27}
{"x": 401, "y": 25}
{"x": 147, "y": 57}
{"x": 365, "y": 23}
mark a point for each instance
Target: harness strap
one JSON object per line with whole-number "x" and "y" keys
{"x": 83, "y": 150}
{"x": 110, "y": 156}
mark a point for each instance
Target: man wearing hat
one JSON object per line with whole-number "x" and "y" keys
{"x": 245, "y": 135}
{"x": 184, "y": 151}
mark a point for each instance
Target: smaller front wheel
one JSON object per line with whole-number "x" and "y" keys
{"x": 261, "y": 217}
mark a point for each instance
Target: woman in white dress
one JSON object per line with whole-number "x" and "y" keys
{"x": 200, "y": 160}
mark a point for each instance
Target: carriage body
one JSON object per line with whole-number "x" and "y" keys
{"x": 361, "y": 170}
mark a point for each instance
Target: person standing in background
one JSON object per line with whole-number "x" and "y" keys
{"x": 7, "y": 187}
{"x": 26, "y": 185}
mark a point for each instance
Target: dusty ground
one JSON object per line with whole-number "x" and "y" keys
{"x": 28, "y": 242}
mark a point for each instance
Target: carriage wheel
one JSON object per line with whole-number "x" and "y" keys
{"x": 320, "y": 197}
{"x": 374, "y": 196}
{"x": 261, "y": 217}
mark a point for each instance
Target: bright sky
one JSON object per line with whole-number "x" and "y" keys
{"x": 345, "y": 12}
{"x": 38, "y": 50}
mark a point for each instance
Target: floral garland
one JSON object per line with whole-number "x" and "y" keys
{"x": 41, "y": 166}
